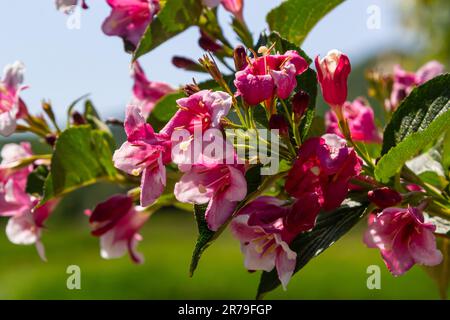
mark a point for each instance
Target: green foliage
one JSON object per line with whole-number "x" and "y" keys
{"x": 82, "y": 156}
{"x": 175, "y": 17}
{"x": 294, "y": 19}
{"x": 330, "y": 227}
{"x": 420, "y": 119}
{"x": 36, "y": 180}
{"x": 164, "y": 109}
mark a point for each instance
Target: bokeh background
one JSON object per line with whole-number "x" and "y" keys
{"x": 64, "y": 64}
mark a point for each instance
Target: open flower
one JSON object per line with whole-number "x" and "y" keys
{"x": 10, "y": 107}
{"x": 130, "y": 18}
{"x": 332, "y": 73}
{"x": 260, "y": 228}
{"x": 117, "y": 222}
{"x": 405, "y": 82}
{"x": 221, "y": 185}
{"x": 145, "y": 92}
{"x": 145, "y": 152}
{"x": 360, "y": 119}
{"x": 403, "y": 238}
{"x": 26, "y": 228}
{"x": 269, "y": 75}
{"x": 324, "y": 166}
{"x": 14, "y": 201}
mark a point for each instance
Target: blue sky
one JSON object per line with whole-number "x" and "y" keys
{"x": 63, "y": 64}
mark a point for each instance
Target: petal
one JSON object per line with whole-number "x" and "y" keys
{"x": 153, "y": 184}
{"x": 422, "y": 248}
{"x": 237, "y": 190}
{"x": 218, "y": 211}
{"x": 22, "y": 230}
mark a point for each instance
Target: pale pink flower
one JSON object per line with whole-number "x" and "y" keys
{"x": 117, "y": 222}
{"x": 404, "y": 239}
{"x": 145, "y": 152}
{"x": 360, "y": 119}
{"x": 130, "y": 18}
{"x": 146, "y": 93}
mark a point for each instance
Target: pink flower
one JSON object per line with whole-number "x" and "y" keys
{"x": 221, "y": 185}
{"x": 324, "y": 166}
{"x": 270, "y": 75}
{"x": 403, "y": 238}
{"x": 405, "y": 82}
{"x": 332, "y": 73}
{"x": 360, "y": 119}
{"x": 234, "y": 6}
{"x": 130, "y": 18}
{"x": 144, "y": 152}
{"x": 14, "y": 201}
{"x": 10, "y": 107}
{"x": 145, "y": 92}
{"x": 384, "y": 197}
{"x": 117, "y": 222}
{"x": 67, "y": 6}
{"x": 26, "y": 228}
{"x": 260, "y": 228}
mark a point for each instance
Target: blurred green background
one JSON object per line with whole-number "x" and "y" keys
{"x": 169, "y": 237}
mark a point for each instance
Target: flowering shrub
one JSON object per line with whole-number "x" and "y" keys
{"x": 241, "y": 149}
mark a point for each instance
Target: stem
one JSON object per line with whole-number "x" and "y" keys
{"x": 292, "y": 123}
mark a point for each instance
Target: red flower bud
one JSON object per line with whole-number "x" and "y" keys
{"x": 300, "y": 102}
{"x": 240, "y": 58}
{"x": 279, "y": 122}
{"x": 384, "y": 197}
{"x": 186, "y": 64}
{"x": 332, "y": 73}
{"x": 208, "y": 43}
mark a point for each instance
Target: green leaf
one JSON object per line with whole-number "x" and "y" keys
{"x": 164, "y": 109}
{"x": 36, "y": 180}
{"x": 446, "y": 152}
{"x": 294, "y": 19}
{"x": 206, "y": 236}
{"x": 82, "y": 157}
{"x": 441, "y": 273}
{"x": 175, "y": 17}
{"x": 330, "y": 227}
{"x": 420, "y": 119}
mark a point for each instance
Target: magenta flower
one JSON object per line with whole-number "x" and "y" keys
{"x": 236, "y": 7}
{"x": 145, "y": 152}
{"x": 117, "y": 222}
{"x": 26, "y": 228}
{"x": 403, "y": 238}
{"x": 384, "y": 197}
{"x": 405, "y": 82}
{"x": 10, "y": 107}
{"x": 324, "y": 166}
{"x": 14, "y": 201}
{"x": 260, "y": 228}
{"x": 360, "y": 119}
{"x": 332, "y": 73}
{"x": 145, "y": 92}
{"x": 268, "y": 76}
{"x": 221, "y": 185}
{"x": 130, "y": 18}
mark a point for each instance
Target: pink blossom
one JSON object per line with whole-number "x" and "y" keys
{"x": 268, "y": 76}
{"x": 324, "y": 166}
{"x": 145, "y": 92}
{"x": 14, "y": 201}
{"x": 117, "y": 222}
{"x": 360, "y": 119}
{"x": 384, "y": 197}
{"x": 260, "y": 228}
{"x": 405, "y": 82}
{"x": 221, "y": 185}
{"x": 234, "y": 6}
{"x": 26, "y": 228}
{"x": 10, "y": 107}
{"x": 403, "y": 238}
{"x": 332, "y": 73}
{"x": 145, "y": 152}
{"x": 130, "y": 18}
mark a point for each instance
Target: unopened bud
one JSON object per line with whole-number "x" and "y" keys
{"x": 191, "y": 89}
{"x": 186, "y": 64}
{"x": 300, "y": 102}
{"x": 50, "y": 139}
{"x": 279, "y": 122}
{"x": 384, "y": 197}
{"x": 78, "y": 119}
{"x": 240, "y": 58}
{"x": 208, "y": 43}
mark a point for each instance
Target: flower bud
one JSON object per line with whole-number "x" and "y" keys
{"x": 78, "y": 119}
{"x": 384, "y": 197}
{"x": 208, "y": 43}
{"x": 300, "y": 102}
{"x": 186, "y": 64}
{"x": 332, "y": 73}
{"x": 278, "y": 121}
{"x": 240, "y": 58}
